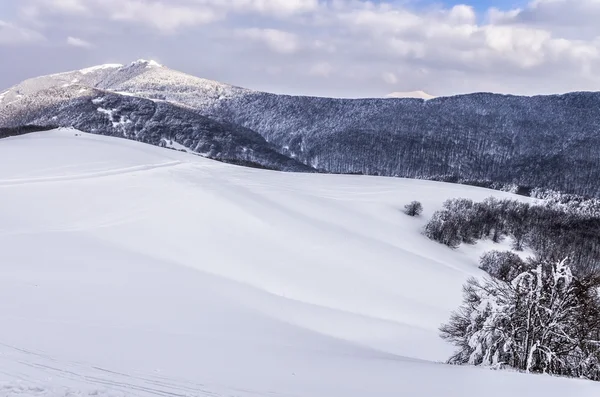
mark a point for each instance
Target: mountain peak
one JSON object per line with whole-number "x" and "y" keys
{"x": 147, "y": 62}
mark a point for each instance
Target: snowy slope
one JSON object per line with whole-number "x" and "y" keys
{"x": 144, "y": 78}
{"x": 128, "y": 269}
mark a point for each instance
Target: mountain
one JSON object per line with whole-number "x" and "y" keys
{"x": 132, "y": 270}
{"x": 82, "y": 100}
{"x": 551, "y": 142}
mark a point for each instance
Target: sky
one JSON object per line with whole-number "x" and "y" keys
{"x": 339, "y": 48}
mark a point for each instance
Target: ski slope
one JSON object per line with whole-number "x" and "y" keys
{"x": 132, "y": 270}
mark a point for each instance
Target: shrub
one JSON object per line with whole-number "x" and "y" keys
{"x": 503, "y": 265}
{"x": 413, "y": 209}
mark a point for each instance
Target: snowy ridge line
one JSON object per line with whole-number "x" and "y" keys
{"x": 91, "y": 175}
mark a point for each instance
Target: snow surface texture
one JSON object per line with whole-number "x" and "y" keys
{"x": 129, "y": 269}
{"x": 139, "y": 77}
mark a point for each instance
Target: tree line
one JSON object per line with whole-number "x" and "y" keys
{"x": 552, "y": 231}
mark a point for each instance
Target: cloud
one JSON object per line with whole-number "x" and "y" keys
{"x": 553, "y": 13}
{"x": 322, "y": 69}
{"x": 163, "y": 16}
{"x": 168, "y": 16}
{"x": 276, "y": 40}
{"x": 452, "y": 39}
{"x": 11, "y": 34}
{"x": 77, "y": 42}
{"x": 65, "y": 6}
{"x": 35, "y": 10}
{"x": 545, "y": 46}
{"x": 280, "y": 8}
{"x": 389, "y": 78}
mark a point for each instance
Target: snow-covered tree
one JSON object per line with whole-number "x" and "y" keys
{"x": 415, "y": 208}
{"x": 552, "y": 231}
{"x": 442, "y": 227}
{"x": 504, "y": 265}
{"x": 544, "y": 320}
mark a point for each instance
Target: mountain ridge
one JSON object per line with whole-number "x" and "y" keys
{"x": 545, "y": 141}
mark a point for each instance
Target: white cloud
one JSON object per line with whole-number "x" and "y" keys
{"x": 545, "y": 46}
{"x": 11, "y": 34}
{"x": 453, "y": 38}
{"x": 269, "y": 7}
{"x": 66, "y": 6}
{"x": 389, "y": 78}
{"x": 70, "y": 6}
{"x": 322, "y": 69}
{"x": 163, "y": 16}
{"x": 276, "y": 40}
{"x": 77, "y": 42}
{"x": 462, "y": 14}
{"x": 36, "y": 10}
{"x": 555, "y": 13}
{"x": 168, "y": 15}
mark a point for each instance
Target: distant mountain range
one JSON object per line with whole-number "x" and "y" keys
{"x": 551, "y": 142}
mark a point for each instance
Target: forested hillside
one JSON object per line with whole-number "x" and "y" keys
{"x": 550, "y": 142}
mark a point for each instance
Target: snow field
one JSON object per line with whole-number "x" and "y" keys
{"x": 129, "y": 269}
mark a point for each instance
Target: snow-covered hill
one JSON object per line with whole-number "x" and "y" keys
{"x": 128, "y": 269}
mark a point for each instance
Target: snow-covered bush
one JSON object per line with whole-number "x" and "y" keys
{"x": 415, "y": 208}
{"x": 544, "y": 320}
{"x": 503, "y": 265}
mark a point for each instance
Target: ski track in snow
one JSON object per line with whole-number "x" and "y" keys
{"x": 122, "y": 171}
{"x": 96, "y": 380}
{"x": 131, "y": 270}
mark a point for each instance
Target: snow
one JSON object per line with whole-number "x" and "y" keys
{"x": 125, "y": 93}
{"x": 153, "y": 81}
{"x": 411, "y": 94}
{"x": 147, "y": 63}
{"x": 100, "y": 67}
{"x": 171, "y": 144}
{"x": 483, "y": 246}
{"x": 129, "y": 269}
{"x": 110, "y": 114}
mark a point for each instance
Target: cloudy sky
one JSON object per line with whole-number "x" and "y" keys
{"x": 347, "y": 48}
